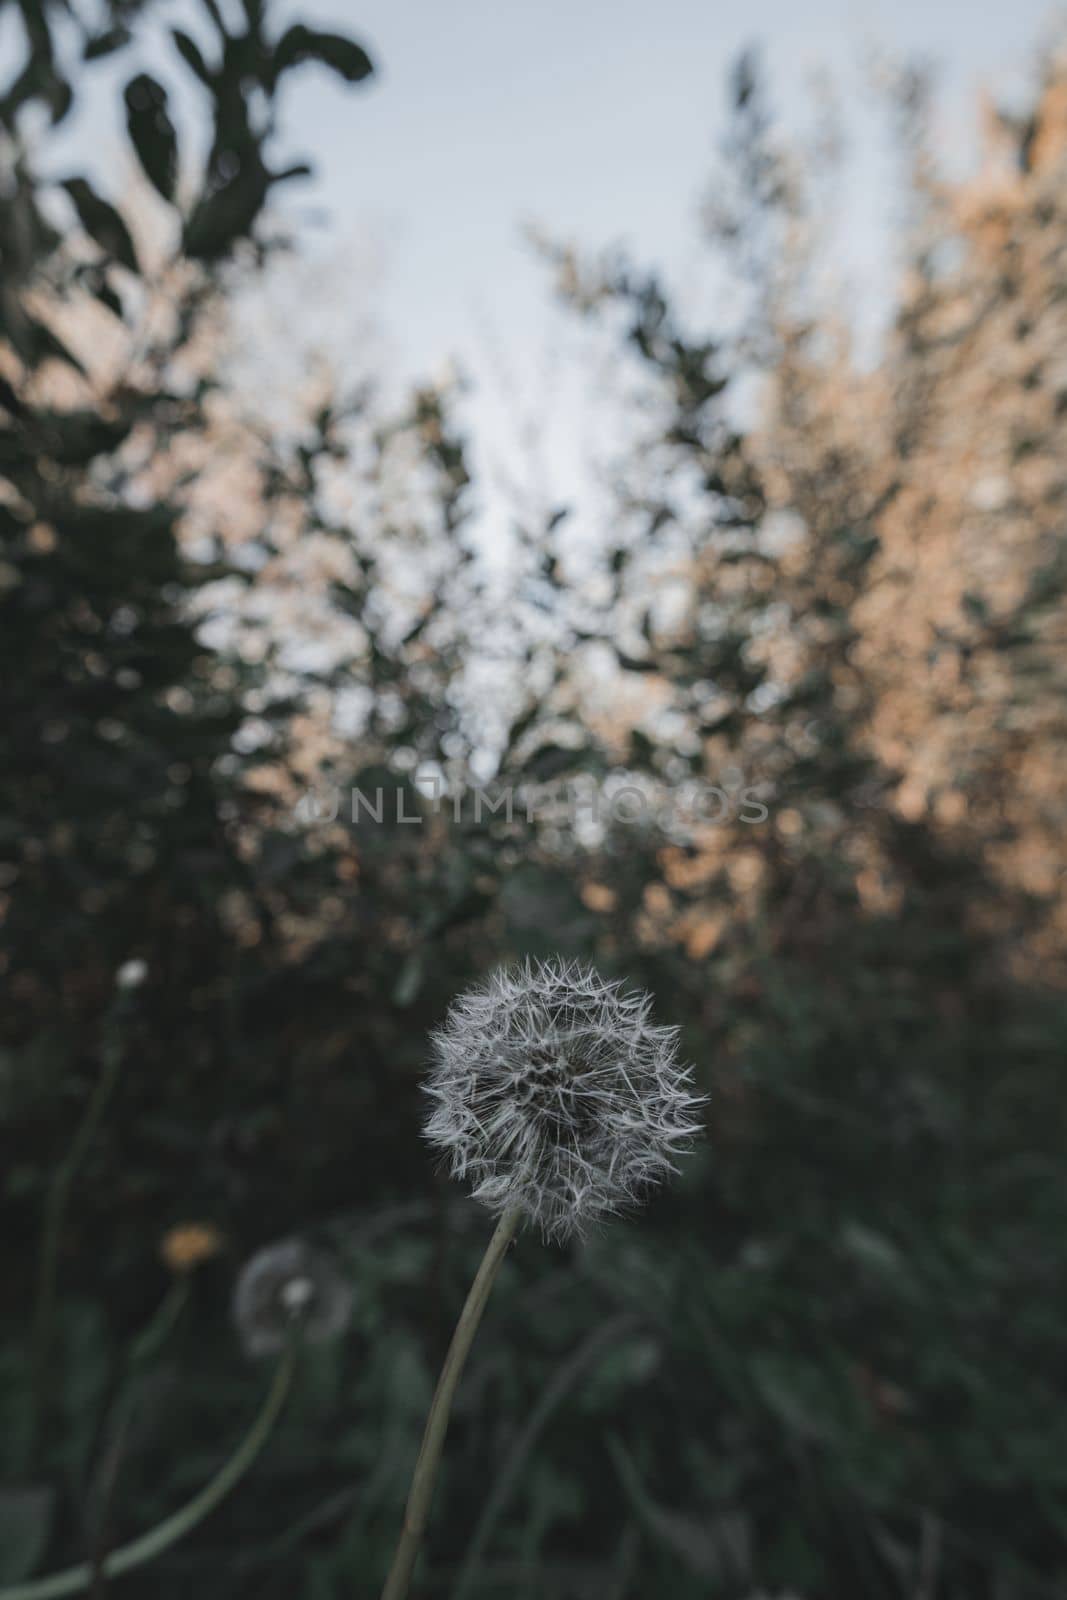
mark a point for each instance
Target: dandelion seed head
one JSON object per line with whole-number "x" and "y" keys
{"x": 284, "y": 1284}
{"x": 553, "y": 1090}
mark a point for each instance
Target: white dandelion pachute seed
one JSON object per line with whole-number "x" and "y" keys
{"x": 554, "y": 1092}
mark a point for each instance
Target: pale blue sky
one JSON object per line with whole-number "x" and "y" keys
{"x": 597, "y": 118}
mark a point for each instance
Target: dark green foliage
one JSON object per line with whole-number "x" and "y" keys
{"x": 102, "y": 223}
{"x": 344, "y": 56}
{"x": 152, "y": 132}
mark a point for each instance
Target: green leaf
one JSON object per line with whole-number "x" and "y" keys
{"x": 550, "y": 761}
{"x": 788, "y": 1390}
{"x": 96, "y": 282}
{"x": 9, "y": 400}
{"x": 35, "y": 342}
{"x": 77, "y": 437}
{"x": 871, "y": 1249}
{"x": 637, "y": 663}
{"x": 642, "y": 750}
{"x": 408, "y": 984}
{"x": 104, "y": 44}
{"x": 190, "y": 52}
{"x": 60, "y": 99}
{"x": 102, "y": 222}
{"x": 344, "y": 56}
{"x": 152, "y": 132}
{"x": 233, "y": 198}
{"x": 711, "y": 1548}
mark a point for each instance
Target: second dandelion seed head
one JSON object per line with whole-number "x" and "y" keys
{"x": 287, "y": 1285}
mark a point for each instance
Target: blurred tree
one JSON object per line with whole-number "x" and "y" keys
{"x": 124, "y": 801}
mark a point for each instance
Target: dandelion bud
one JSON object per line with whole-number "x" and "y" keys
{"x": 554, "y": 1092}
{"x": 188, "y": 1244}
{"x": 285, "y": 1284}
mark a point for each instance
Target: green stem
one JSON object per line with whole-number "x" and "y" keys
{"x": 54, "y": 1215}
{"x": 425, "y": 1476}
{"x": 174, "y": 1527}
{"x": 152, "y": 1338}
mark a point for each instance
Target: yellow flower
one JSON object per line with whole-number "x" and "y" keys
{"x": 186, "y": 1245}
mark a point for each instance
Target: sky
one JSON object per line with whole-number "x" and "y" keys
{"x": 596, "y": 119}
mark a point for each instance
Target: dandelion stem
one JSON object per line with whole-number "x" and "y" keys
{"x": 426, "y": 1467}
{"x": 73, "y": 1579}
{"x": 54, "y": 1217}
{"x": 152, "y": 1338}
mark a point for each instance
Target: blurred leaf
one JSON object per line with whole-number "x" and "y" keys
{"x": 299, "y": 44}
{"x": 60, "y": 98}
{"x": 705, "y": 1548}
{"x": 642, "y": 750}
{"x": 83, "y": 1377}
{"x": 550, "y": 761}
{"x": 234, "y": 195}
{"x": 75, "y": 438}
{"x": 190, "y": 52}
{"x": 106, "y": 43}
{"x": 410, "y": 977}
{"x": 637, "y": 663}
{"x": 871, "y": 1249}
{"x": 152, "y": 132}
{"x": 102, "y": 222}
{"x": 95, "y": 280}
{"x": 792, "y": 1391}
{"x": 631, "y": 1364}
{"x": 25, "y": 1519}
{"x": 35, "y": 342}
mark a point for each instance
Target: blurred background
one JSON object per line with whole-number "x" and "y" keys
{"x": 480, "y": 482}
